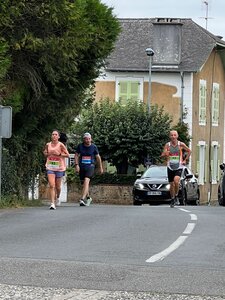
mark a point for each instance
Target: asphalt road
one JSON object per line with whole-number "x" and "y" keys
{"x": 100, "y": 251}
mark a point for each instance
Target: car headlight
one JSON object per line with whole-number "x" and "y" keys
{"x": 168, "y": 186}
{"x": 139, "y": 186}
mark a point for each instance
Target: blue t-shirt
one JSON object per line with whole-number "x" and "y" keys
{"x": 87, "y": 153}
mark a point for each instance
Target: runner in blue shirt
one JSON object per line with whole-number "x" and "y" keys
{"x": 86, "y": 156}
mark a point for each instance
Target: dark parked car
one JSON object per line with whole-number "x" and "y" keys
{"x": 153, "y": 187}
{"x": 221, "y": 187}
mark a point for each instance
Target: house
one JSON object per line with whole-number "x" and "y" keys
{"x": 187, "y": 74}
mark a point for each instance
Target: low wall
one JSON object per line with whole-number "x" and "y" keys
{"x": 102, "y": 194}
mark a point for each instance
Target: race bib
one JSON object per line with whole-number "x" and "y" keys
{"x": 174, "y": 158}
{"x": 53, "y": 163}
{"x": 174, "y": 161}
{"x": 86, "y": 160}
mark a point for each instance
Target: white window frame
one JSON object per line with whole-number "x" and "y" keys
{"x": 215, "y": 161}
{"x": 201, "y": 160}
{"x": 215, "y": 104}
{"x": 202, "y": 99}
{"x": 127, "y": 79}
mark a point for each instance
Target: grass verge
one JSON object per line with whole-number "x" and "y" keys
{"x": 14, "y": 202}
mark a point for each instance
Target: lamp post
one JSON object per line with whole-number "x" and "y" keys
{"x": 150, "y": 53}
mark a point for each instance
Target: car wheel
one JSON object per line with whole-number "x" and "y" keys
{"x": 137, "y": 203}
{"x": 183, "y": 198}
{"x": 197, "y": 201}
{"x": 221, "y": 194}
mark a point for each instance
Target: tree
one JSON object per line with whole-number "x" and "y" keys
{"x": 125, "y": 134}
{"x": 182, "y": 129}
{"x": 56, "y": 50}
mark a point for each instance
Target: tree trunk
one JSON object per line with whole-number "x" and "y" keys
{"x": 122, "y": 167}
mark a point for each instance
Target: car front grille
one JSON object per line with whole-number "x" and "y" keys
{"x": 155, "y": 186}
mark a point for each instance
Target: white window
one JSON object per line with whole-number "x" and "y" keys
{"x": 215, "y": 104}
{"x": 215, "y": 162}
{"x": 129, "y": 88}
{"x": 202, "y": 102}
{"x": 201, "y": 162}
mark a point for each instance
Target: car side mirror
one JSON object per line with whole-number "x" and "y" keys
{"x": 189, "y": 176}
{"x": 222, "y": 166}
{"x": 138, "y": 175}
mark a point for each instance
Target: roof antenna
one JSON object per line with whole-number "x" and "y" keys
{"x": 207, "y": 12}
{"x": 206, "y": 3}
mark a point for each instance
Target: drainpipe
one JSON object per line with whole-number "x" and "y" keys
{"x": 182, "y": 96}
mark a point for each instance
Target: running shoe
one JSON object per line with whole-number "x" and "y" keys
{"x": 82, "y": 203}
{"x": 177, "y": 202}
{"x": 52, "y": 206}
{"x": 172, "y": 202}
{"x": 89, "y": 200}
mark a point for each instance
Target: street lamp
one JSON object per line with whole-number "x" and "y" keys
{"x": 150, "y": 53}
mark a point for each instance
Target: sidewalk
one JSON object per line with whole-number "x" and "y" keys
{"x": 11, "y": 292}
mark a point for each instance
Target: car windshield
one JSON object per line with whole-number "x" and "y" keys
{"x": 155, "y": 172}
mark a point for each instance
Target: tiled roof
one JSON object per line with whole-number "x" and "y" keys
{"x": 138, "y": 34}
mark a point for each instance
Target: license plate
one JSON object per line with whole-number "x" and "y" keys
{"x": 154, "y": 193}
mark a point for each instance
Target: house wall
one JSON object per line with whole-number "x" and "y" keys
{"x": 212, "y": 71}
{"x": 166, "y": 90}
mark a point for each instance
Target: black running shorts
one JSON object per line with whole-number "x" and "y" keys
{"x": 86, "y": 171}
{"x": 172, "y": 173}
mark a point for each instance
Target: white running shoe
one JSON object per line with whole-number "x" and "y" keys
{"x": 89, "y": 200}
{"x": 52, "y": 206}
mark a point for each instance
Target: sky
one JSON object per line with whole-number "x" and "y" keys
{"x": 197, "y": 10}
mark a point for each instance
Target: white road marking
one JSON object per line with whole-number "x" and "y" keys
{"x": 161, "y": 255}
{"x": 193, "y": 217}
{"x": 185, "y": 210}
{"x": 189, "y": 228}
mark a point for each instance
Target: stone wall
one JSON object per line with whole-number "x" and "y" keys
{"x": 104, "y": 194}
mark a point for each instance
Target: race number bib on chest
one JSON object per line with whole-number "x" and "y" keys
{"x": 86, "y": 160}
{"x": 53, "y": 163}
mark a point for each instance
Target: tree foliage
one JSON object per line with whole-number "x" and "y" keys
{"x": 125, "y": 134}
{"x": 51, "y": 52}
{"x": 182, "y": 129}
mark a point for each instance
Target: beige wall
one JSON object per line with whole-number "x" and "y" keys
{"x": 105, "y": 89}
{"x": 162, "y": 94}
{"x": 211, "y": 72}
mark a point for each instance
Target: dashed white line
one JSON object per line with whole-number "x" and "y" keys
{"x": 185, "y": 210}
{"x": 167, "y": 251}
{"x": 193, "y": 217}
{"x": 188, "y": 230}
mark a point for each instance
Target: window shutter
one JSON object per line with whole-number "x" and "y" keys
{"x": 202, "y": 102}
{"x": 206, "y": 173}
{"x": 129, "y": 90}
